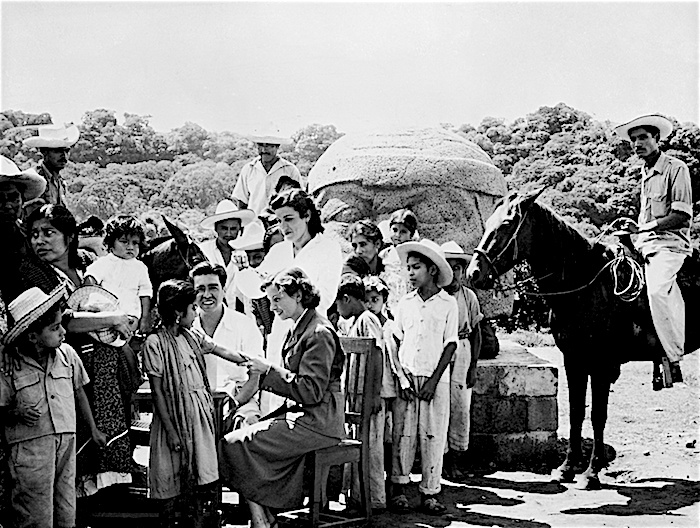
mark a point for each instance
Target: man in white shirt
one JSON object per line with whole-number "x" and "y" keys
{"x": 228, "y": 221}
{"x": 258, "y": 178}
{"x": 234, "y": 331}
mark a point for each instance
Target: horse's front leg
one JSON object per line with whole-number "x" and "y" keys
{"x": 578, "y": 381}
{"x": 600, "y": 391}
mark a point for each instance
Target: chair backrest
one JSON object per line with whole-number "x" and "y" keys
{"x": 359, "y": 383}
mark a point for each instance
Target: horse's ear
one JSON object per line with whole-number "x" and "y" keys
{"x": 529, "y": 197}
{"x": 178, "y": 234}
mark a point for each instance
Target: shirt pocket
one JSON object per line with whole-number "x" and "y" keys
{"x": 659, "y": 207}
{"x": 62, "y": 379}
{"x": 29, "y": 389}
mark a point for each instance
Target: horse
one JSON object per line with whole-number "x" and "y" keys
{"x": 171, "y": 257}
{"x": 594, "y": 328}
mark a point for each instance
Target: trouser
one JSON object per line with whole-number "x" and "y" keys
{"x": 460, "y": 399}
{"x": 666, "y": 301}
{"x": 426, "y": 423}
{"x": 43, "y": 481}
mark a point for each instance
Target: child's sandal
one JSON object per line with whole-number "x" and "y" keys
{"x": 432, "y": 506}
{"x": 400, "y": 504}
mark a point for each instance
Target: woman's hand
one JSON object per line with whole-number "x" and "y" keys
{"x": 122, "y": 325}
{"x": 99, "y": 438}
{"x": 257, "y": 366}
{"x": 173, "y": 441}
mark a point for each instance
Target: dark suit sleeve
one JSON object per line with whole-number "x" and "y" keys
{"x": 317, "y": 350}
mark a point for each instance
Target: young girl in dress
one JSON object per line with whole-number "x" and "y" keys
{"x": 183, "y": 462}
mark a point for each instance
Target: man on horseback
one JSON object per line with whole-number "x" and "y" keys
{"x": 663, "y": 225}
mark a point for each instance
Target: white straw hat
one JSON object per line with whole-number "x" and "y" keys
{"x": 225, "y": 210}
{"x": 29, "y": 306}
{"x": 54, "y": 136}
{"x": 434, "y": 252}
{"x": 252, "y": 238}
{"x": 664, "y": 125}
{"x": 93, "y": 298}
{"x": 31, "y": 184}
{"x": 454, "y": 251}
{"x": 271, "y": 134}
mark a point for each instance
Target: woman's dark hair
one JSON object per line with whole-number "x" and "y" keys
{"x": 64, "y": 221}
{"x": 174, "y": 296}
{"x": 207, "y": 268}
{"x": 352, "y": 286}
{"x": 367, "y": 229}
{"x": 303, "y": 204}
{"x": 286, "y": 180}
{"x": 358, "y": 265}
{"x": 269, "y": 234}
{"x": 292, "y": 281}
{"x": 123, "y": 225}
{"x": 405, "y": 217}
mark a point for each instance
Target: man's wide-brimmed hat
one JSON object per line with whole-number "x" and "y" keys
{"x": 30, "y": 184}
{"x": 270, "y": 134}
{"x": 664, "y": 125}
{"x": 454, "y": 251}
{"x": 225, "y": 210}
{"x": 28, "y": 307}
{"x": 434, "y": 252}
{"x": 252, "y": 238}
{"x": 54, "y": 136}
{"x": 94, "y": 298}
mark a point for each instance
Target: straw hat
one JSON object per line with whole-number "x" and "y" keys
{"x": 31, "y": 184}
{"x": 434, "y": 252}
{"x": 28, "y": 307}
{"x": 226, "y": 210}
{"x": 270, "y": 134}
{"x": 54, "y": 136}
{"x": 664, "y": 125}
{"x": 454, "y": 251}
{"x": 93, "y": 298}
{"x": 252, "y": 238}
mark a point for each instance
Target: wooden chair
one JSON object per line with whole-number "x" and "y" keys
{"x": 358, "y": 384}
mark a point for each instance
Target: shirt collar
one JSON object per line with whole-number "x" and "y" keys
{"x": 658, "y": 166}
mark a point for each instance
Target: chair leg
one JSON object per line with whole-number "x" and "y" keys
{"x": 365, "y": 497}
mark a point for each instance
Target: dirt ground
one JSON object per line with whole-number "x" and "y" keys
{"x": 653, "y": 480}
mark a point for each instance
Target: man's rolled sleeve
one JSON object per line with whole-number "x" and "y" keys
{"x": 681, "y": 191}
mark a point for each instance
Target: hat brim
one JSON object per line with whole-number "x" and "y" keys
{"x": 272, "y": 140}
{"x": 458, "y": 256}
{"x": 664, "y": 125}
{"x": 39, "y": 142}
{"x": 82, "y": 294}
{"x": 32, "y": 183}
{"x": 246, "y": 216}
{"x": 445, "y": 274}
{"x": 25, "y": 322}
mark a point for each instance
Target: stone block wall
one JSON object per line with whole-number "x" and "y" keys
{"x": 514, "y": 408}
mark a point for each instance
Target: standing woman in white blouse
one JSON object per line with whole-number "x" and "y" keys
{"x": 306, "y": 247}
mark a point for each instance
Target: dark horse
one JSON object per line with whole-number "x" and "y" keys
{"x": 171, "y": 257}
{"x": 595, "y": 330}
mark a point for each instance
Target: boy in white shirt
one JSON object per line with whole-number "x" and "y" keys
{"x": 425, "y": 330}
{"x": 121, "y": 273}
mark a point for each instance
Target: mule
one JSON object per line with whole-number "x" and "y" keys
{"x": 595, "y": 330}
{"x": 171, "y": 257}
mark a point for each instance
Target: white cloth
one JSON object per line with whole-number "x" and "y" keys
{"x": 666, "y": 301}
{"x": 240, "y": 334}
{"x": 425, "y": 328}
{"x": 255, "y": 186}
{"x": 425, "y": 423}
{"x": 322, "y": 261}
{"x": 213, "y": 254}
{"x": 126, "y": 278}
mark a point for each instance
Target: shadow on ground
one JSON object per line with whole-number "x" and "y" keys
{"x": 648, "y": 500}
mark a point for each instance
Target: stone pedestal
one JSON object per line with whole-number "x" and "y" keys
{"x": 514, "y": 409}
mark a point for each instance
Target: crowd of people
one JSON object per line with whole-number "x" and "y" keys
{"x": 259, "y": 320}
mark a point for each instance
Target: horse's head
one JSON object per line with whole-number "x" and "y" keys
{"x": 504, "y": 243}
{"x": 173, "y": 258}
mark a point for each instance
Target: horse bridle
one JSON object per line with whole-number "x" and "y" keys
{"x": 186, "y": 257}
{"x": 512, "y": 240}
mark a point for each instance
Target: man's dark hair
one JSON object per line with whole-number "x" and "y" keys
{"x": 207, "y": 268}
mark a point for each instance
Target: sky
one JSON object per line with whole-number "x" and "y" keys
{"x": 249, "y": 66}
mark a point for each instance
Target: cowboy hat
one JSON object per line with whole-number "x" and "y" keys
{"x": 54, "y": 136}
{"x": 28, "y": 307}
{"x": 434, "y": 252}
{"x": 94, "y": 298}
{"x": 31, "y": 184}
{"x": 664, "y": 125}
{"x": 270, "y": 135}
{"x": 252, "y": 238}
{"x": 226, "y": 210}
{"x": 454, "y": 251}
